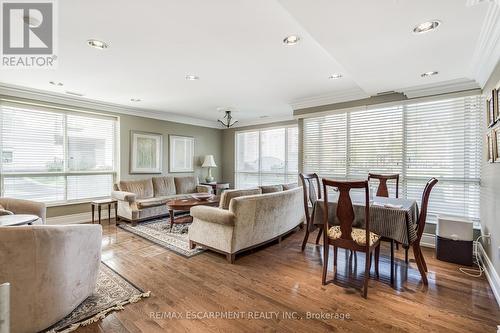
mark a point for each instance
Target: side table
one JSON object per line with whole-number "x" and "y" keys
{"x": 99, "y": 203}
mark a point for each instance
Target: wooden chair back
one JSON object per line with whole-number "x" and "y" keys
{"x": 382, "y": 190}
{"x": 310, "y": 195}
{"x": 345, "y": 211}
{"x": 424, "y": 205}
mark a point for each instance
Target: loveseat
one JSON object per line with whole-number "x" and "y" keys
{"x": 252, "y": 218}
{"x": 143, "y": 199}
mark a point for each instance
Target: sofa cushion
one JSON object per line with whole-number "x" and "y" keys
{"x": 271, "y": 188}
{"x": 184, "y": 185}
{"x": 159, "y": 201}
{"x": 143, "y": 188}
{"x": 163, "y": 186}
{"x": 290, "y": 186}
{"x": 227, "y": 195}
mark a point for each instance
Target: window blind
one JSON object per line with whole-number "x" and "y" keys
{"x": 55, "y": 156}
{"x": 417, "y": 140}
{"x": 266, "y": 157}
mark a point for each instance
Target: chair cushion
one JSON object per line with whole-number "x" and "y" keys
{"x": 271, "y": 188}
{"x": 143, "y": 188}
{"x": 163, "y": 186}
{"x": 357, "y": 234}
{"x": 184, "y": 185}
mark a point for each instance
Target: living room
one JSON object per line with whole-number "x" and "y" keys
{"x": 249, "y": 166}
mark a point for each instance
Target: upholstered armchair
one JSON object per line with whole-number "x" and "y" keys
{"x": 51, "y": 270}
{"x": 19, "y": 206}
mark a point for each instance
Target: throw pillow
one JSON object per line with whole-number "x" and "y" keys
{"x": 290, "y": 186}
{"x": 271, "y": 188}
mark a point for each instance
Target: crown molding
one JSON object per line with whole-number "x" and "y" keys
{"x": 78, "y": 102}
{"x": 487, "y": 51}
{"x": 262, "y": 121}
{"x": 440, "y": 88}
{"x": 331, "y": 98}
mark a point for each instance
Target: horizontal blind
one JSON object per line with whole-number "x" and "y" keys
{"x": 54, "y": 156}
{"x": 417, "y": 140}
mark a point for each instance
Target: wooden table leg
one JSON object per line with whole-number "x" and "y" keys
{"x": 109, "y": 213}
{"x": 99, "y": 213}
{"x": 92, "y": 206}
{"x": 171, "y": 213}
{"x": 392, "y": 262}
{"x": 116, "y": 213}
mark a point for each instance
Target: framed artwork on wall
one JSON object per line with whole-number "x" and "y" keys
{"x": 496, "y": 145}
{"x": 490, "y": 152}
{"x": 490, "y": 110}
{"x": 146, "y": 152}
{"x": 496, "y": 103}
{"x": 181, "y": 153}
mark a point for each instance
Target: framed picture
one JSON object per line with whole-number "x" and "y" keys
{"x": 496, "y": 103}
{"x": 490, "y": 152}
{"x": 181, "y": 153}
{"x": 490, "y": 110}
{"x": 496, "y": 145}
{"x": 146, "y": 152}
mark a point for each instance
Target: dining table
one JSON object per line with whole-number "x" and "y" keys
{"x": 392, "y": 218}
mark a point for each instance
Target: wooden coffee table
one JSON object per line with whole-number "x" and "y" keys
{"x": 184, "y": 205}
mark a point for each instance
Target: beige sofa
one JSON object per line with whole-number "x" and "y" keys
{"x": 251, "y": 219}
{"x": 19, "y": 206}
{"x": 143, "y": 199}
{"x": 51, "y": 270}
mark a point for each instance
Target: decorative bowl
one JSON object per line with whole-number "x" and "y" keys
{"x": 201, "y": 196}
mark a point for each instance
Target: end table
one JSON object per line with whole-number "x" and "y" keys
{"x": 99, "y": 203}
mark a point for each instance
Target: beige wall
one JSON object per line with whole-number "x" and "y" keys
{"x": 228, "y": 147}
{"x": 490, "y": 190}
{"x": 207, "y": 141}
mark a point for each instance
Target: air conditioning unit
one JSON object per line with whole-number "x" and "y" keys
{"x": 454, "y": 240}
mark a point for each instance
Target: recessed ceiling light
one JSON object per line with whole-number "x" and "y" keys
{"x": 335, "y": 76}
{"x": 192, "y": 77}
{"x": 59, "y": 84}
{"x": 97, "y": 44}
{"x": 428, "y": 74}
{"x": 426, "y": 26}
{"x": 135, "y": 99}
{"x": 291, "y": 40}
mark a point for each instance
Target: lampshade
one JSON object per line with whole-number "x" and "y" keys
{"x": 209, "y": 162}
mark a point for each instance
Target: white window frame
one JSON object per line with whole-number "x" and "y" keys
{"x": 259, "y": 173}
{"x": 65, "y": 173}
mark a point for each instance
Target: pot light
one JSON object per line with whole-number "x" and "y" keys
{"x": 135, "y": 99}
{"x": 335, "y": 76}
{"x": 291, "y": 40}
{"x": 192, "y": 77}
{"x": 429, "y": 74}
{"x": 426, "y": 26}
{"x": 59, "y": 84}
{"x": 97, "y": 44}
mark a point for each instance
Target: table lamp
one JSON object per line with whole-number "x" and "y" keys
{"x": 209, "y": 163}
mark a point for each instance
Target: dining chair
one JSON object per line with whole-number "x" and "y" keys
{"x": 310, "y": 182}
{"x": 417, "y": 251}
{"x": 345, "y": 235}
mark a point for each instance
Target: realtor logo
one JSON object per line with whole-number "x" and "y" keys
{"x": 28, "y": 30}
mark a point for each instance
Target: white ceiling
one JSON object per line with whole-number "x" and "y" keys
{"x": 236, "y": 48}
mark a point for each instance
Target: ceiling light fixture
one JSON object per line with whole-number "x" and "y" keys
{"x": 426, "y": 26}
{"x": 335, "y": 76}
{"x": 135, "y": 99}
{"x": 429, "y": 74}
{"x": 291, "y": 40}
{"x": 192, "y": 77}
{"x": 227, "y": 120}
{"x": 97, "y": 44}
{"x": 59, "y": 84}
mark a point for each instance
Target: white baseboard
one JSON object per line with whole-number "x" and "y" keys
{"x": 428, "y": 240}
{"x": 490, "y": 272}
{"x": 78, "y": 218}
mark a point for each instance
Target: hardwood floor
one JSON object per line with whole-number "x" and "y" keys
{"x": 280, "y": 280}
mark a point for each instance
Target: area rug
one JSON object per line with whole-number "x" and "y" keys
{"x": 112, "y": 292}
{"x": 158, "y": 231}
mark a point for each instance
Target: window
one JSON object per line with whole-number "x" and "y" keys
{"x": 267, "y": 157}
{"x": 417, "y": 140}
{"x": 55, "y": 156}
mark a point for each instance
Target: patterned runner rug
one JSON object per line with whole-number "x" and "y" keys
{"x": 112, "y": 292}
{"x": 158, "y": 231}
